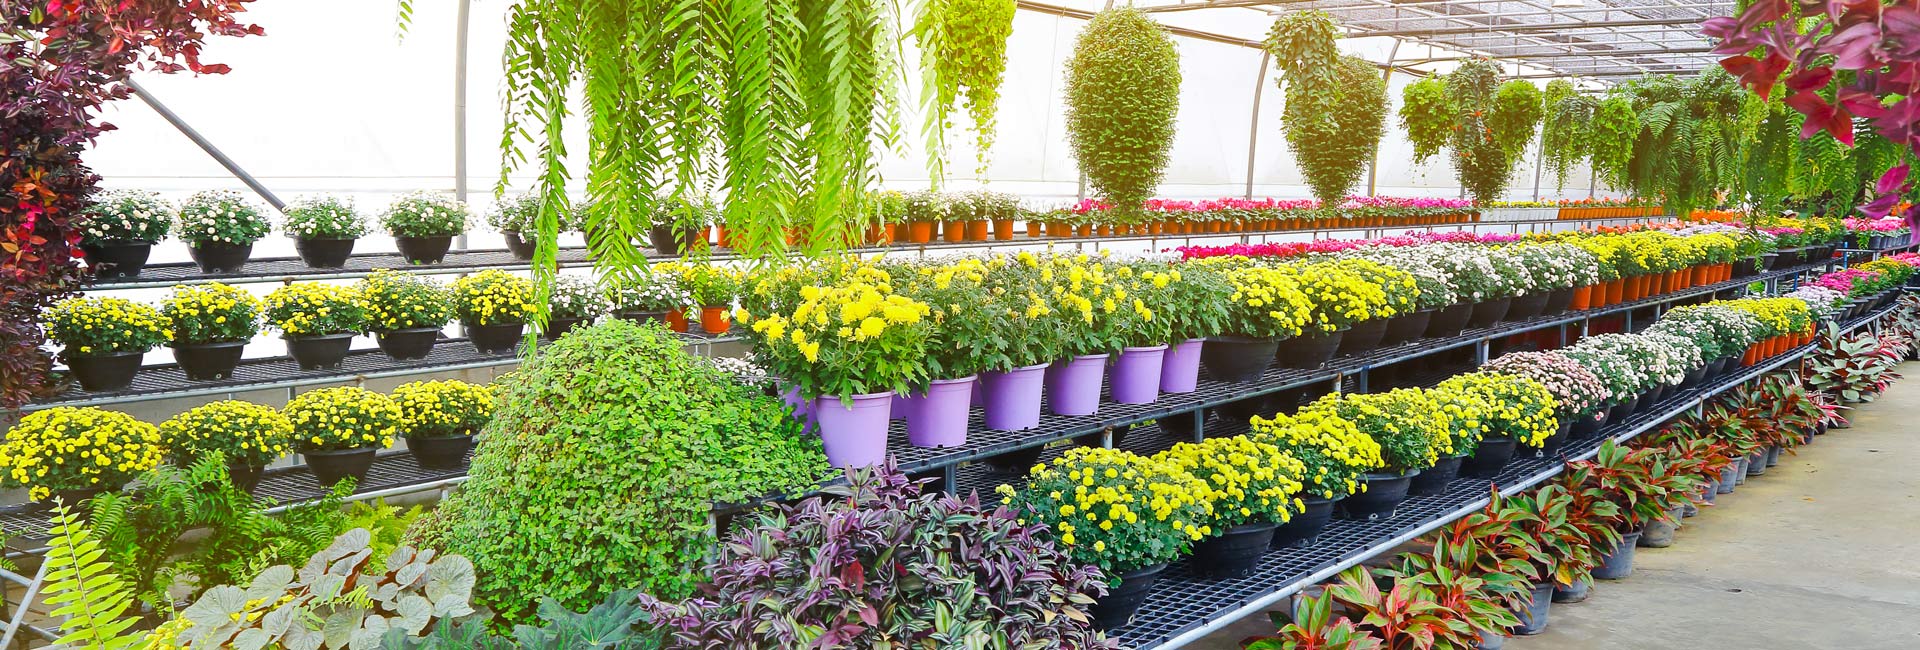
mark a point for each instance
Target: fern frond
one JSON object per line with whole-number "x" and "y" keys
{"x": 83, "y": 590}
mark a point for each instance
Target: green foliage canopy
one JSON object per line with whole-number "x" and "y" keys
{"x": 963, "y": 52}
{"x": 1123, "y": 91}
{"x": 1334, "y": 131}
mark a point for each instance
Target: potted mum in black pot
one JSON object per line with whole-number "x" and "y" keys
{"x": 406, "y": 312}
{"x": 104, "y": 339}
{"x": 574, "y": 300}
{"x": 493, "y": 306}
{"x": 323, "y": 230}
{"x": 248, "y": 435}
{"x": 318, "y": 321}
{"x": 339, "y": 430}
{"x": 440, "y": 418}
{"x": 517, "y": 218}
{"x": 120, "y": 229}
{"x": 424, "y": 224}
{"x": 212, "y": 324}
{"x": 220, "y": 228}
{"x": 1253, "y": 486}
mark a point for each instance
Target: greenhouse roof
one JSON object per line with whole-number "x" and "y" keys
{"x": 1595, "y": 39}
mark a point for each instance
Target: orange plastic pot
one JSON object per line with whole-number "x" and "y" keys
{"x": 920, "y": 232}
{"x": 1084, "y": 230}
{"x": 1059, "y": 230}
{"x": 1003, "y": 229}
{"x": 1582, "y": 298}
{"x": 1035, "y": 229}
{"x": 723, "y": 237}
{"x": 677, "y": 320}
{"x": 953, "y": 231}
{"x": 714, "y": 319}
{"x": 977, "y": 229}
{"x": 705, "y": 235}
{"x": 1155, "y": 228}
{"x": 1616, "y": 291}
{"x": 1103, "y": 230}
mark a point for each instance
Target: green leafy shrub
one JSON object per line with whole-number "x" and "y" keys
{"x": 1516, "y": 113}
{"x": 601, "y": 465}
{"x": 1123, "y": 90}
{"x": 1333, "y": 128}
{"x": 1427, "y": 116}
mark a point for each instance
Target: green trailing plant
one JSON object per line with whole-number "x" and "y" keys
{"x": 1615, "y": 126}
{"x": 1334, "y": 130}
{"x": 616, "y": 395}
{"x": 1426, "y": 114}
{"x": 963, "y": 54}
{"x": 1517, "y": 109}
{"x": 1123, "y": 90}
{"x": 1689, "y": 131}
{"x": 1566, "y": 130}
{"x": 1479, "y": 160}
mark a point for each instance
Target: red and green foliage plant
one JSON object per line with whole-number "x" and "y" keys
{"x": 1316, "y": 629}
{"x": 1855, "y": 368}
{"x": 1406, "y": 616}
{"x": 80, "y": 55}
{"x": 1484, "y": 602}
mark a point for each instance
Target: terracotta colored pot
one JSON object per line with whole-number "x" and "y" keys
{"x": 677, "y": 320}
{"x": 1084, "y": 230}
{"x": 977, "y": 230}
{"x": 1035, "y": 229}
{"x": 1155, "y": 228}
{"x": 953, "y": 231}
{"x": 920, "y": 232}
{"x": 1582, "y": 298}
{"x": 714, "y": 319}
{"x": 1616, "y": 291}
{"x": 722, "y": 237}
{"x": 1003, "y": 229}
{"x": 1103, "y": 230}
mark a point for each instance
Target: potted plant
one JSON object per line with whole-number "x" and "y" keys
{"x": 423, "y": 225}
{"x": 405, "y": 312}
{"x": 1087, "y": 317}
{"x": 76, "y": 453}
{"x": 923, "y": 209}
{"x": 1197, "y": 304}
{"x": 324, "y": 230}
{"x": 1621, "y": 377}
{"x": 1335, "y": 458}
{"x": 212, "y": 324}
{"x": 1130, "y": 536}
{"x": 493, "y": 307}
{"x": 1340, "y": 298}
{"x": 247, "y": 435}
{"x": 1146, "y": 297}
{"x": 849, "y": 372}
{"x": 713, "y": 288}
{"x": 1267, "y": 305}
{"x": 642, "y": 297}
{"x": 1014, "y": 376}
{"x": 517, "y": 218}
{"x": 1400, "y": 292}
{"x": 1252, "y": 487}
{"x": 1577, "y": 392}
{"x": 318, "y": 321}
{"x": 338, "y": 430}
{"x": 220, "y": 228}
{"x": 119, "y": 230}
{"x": 679, "y": 224}
{"x": 103, "y": 339}
{"x": 575, "y": 299}
{"x": 1410, "y": 431}
{"x": 440, "y": 418}
{"x": 1463, "y": 414}
{"x": 959, "y": 346}
{"x": 1519, "y": 414}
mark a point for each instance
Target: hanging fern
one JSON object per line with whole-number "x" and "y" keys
{"x": 1333, "y": 131}
{"x": 1123, "y": 91}
{"x": 1427, "y": 116}
{"x": 1516, "y": 114}
{"x": 1685, "y": 152}
{"x": 963, "y": 50}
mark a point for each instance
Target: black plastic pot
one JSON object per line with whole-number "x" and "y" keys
{"x": 1623, "y": 410}
{"x": 1018, "y": 461}
{"x": 1745, "y": 267}
{"x": 323, "y": 352}
{"x": 496, "y": 339}
{"x": 1407, "y": 327}
{"x": 1533, "y": 620}
{"x": 1757, "y": 463}
{"x": 409, "y": 344}
{"x": 1434, "y": 480}
{"x": 1694, "y": 377}
{"x": 448, "y": 452}
{"x": 1773, "y": 455}
{"x": 1488, "y": 312}
{"x": 1574, "y": 593}
{"x": 117, "y": 258}
{"x": 1364, "y": 336}
{"x": 669, "y": 241}
{"x": 1237, "y": 358}
{"x": 208, "y": 361}
{"x": 1233, "y": 553}
{"x": 1116, "y": 609}
{"x": 1303, "y": 530}
{"x": 1618, "y": 564}
{"x": 1528, "y": 306}
{"x": 521, "y": 247}
{"x": 1550, "y": 447}
{"x": 1587, "y": 426}
{"x": 1489, "y": 457}
{"x": 331, "y": 465}
{"x": 219, "y": 257}
{"x": 424, "y": 250}
{"x": 1558, "y": 302}
{"x": 111, "y": 371}
{"x": 245, "y": 476}
{"x": 1308, "y": 351}
{"x": 559, "y": 327}
{"x": 1449, "y": 321}
{"x": 1242, "y": 410}
{"x": 324, "y": 253}
{"x": 1652, "y": 397}
{"x": 1769, "y": 262}
{"x": 1382, "y": 497}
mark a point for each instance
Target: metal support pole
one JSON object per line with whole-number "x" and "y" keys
{"x": 207, "y": 146}
{"x": 26, "y": 603}
{"x": 1373, "y": 162}
{"x": 1253, "y": 119}
{"x": 460, "y": 109}
{"x": 1539, "y": 161}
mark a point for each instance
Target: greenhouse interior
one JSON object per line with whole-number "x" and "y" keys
{"x": 958, "y": 324}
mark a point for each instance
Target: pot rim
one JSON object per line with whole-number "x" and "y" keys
{"x": 319, "y": 337}
{"x": 411, "y": 330}
{"x": 340, "y": 452}
{"x": 210, "y": 345}
{"x": 103, "y": 355}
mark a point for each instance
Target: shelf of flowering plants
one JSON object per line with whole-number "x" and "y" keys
{"x": 279, "y": 269}
{"x": 168, "y": 381}
{"x": 982, "y": 442}
{"x": 1183, "y": 608}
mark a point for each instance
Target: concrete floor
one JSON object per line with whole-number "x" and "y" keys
{"x": 1821, "y": 552}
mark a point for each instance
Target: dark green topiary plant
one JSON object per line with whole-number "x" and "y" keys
{"x": 600, "y": 468}
{"x": 1333, "y": 131}
{"x": 1123, "y": 90}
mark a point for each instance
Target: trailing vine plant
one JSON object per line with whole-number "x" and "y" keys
{"x": 1336, "y": 106}
{"x": 67, "y": 59}
{"x": 1566, "y": 130}
{"x": 1479, "y": 161}
{"x": 1516, "y": 114}
{"x": 1123, "y": 91}
{"x": 1615, "y": 127}
{"x": 963, "y": 52}
{"x": 1427, "y": 116}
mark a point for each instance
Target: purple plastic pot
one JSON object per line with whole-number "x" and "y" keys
{"x": 1180, "y": 367}
{"x": 1073, "y": 385}
{"x": 1136, "y": 375}
{"x": 898, "y": 409}
{"x": 1011, "y": 399}
{"x": 855, "y": 430}
{"x": 801, "y": 408}
{"x": 938, "y": 415}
